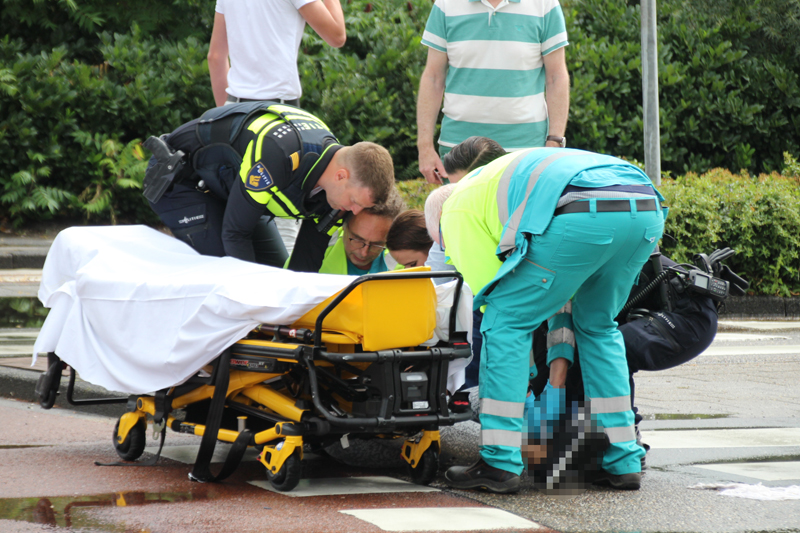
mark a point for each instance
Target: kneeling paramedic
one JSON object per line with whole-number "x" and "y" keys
{"x": 528, "y": 232}
{"x": 213, "y": 179}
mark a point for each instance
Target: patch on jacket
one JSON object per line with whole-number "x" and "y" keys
{"x": 258, "y": 179}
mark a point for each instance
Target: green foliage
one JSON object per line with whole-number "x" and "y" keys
{"x": 758, "y": 217}
{"x": 728, "y": 81}
{"x": 22, "y": 313}
{"x": 415, "y": 192}
{"x": 365, "y": 91}
{"x": 60, "y": 116}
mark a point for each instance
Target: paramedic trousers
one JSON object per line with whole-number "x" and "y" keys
{"x": 594, "y": 258}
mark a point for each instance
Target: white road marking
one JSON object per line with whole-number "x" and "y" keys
{"x": 347, "y": 485}
{"x": 722, "y": 438}
{"x": 745, "y": 337}
{"x": 765, "y": 471}
{"x": 716, "y": 351}
{"x": 442, "y": 519}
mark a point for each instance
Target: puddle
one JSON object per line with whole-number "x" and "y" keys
{"x": 22, "y": 313}
{"x": 65, "y": 511}
{"x": 668, "y": 416}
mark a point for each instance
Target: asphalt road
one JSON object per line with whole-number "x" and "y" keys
{"x": 730, "y": 416}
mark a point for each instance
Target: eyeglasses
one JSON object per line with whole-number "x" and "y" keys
{"x": 358, "y": 244}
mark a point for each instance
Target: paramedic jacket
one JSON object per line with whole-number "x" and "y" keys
{"x": 255, "y": 158}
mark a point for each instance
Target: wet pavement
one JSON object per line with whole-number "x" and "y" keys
{"x": 730, "y": 416}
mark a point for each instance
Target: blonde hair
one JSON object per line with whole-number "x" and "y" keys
{"x": 370, "y": 165}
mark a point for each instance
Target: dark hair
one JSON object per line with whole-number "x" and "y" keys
{"x": 408, "y": 232}
{"x": 471, "y": 154}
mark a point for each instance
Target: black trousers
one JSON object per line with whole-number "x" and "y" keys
{"x": 196, "y": 219}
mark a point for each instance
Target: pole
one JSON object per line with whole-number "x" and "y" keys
{"x": 652, "y": 136}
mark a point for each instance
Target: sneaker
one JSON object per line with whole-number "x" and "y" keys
{"x": 482, "y": 476}
{"x": 630, "y": 481}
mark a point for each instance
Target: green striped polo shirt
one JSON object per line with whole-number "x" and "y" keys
{"x": 495, "y": 78}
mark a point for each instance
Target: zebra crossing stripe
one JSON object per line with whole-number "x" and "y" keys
{"x": 722, "y": 438}
{"x": 442, "y": 519}
{"x": 764, "y": 471}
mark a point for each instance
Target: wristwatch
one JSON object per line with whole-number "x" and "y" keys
{"x": 562, "y": 141}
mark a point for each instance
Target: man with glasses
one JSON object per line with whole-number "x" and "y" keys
{"x": 358, "y": 247}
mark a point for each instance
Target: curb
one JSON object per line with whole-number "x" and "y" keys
{"x": 760, "y": 307}
{"x": 20, "y": 385}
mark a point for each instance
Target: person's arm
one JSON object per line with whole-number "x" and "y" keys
{"x": 556, "y": 93}
{"x": 327, "y": 19}
{"x": 218, "y": 65}
{"x": 429, "y": 102}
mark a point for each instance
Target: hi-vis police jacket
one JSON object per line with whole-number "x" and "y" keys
{"x": 259, "y": 158}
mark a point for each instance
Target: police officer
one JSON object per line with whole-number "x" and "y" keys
{"x": 244, "y": 161}
{"x": 527, "y": 232}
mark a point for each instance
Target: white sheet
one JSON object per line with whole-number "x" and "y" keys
{"x": 134, "y": 310}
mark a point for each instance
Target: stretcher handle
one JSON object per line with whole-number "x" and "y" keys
{"x": 390, "y": 276}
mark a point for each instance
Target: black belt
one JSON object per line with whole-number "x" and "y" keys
{"x": 604, "y": 206}
{"x": 295, "y": 102}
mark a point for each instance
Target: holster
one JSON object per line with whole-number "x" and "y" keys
{"x": 159, "y": 177}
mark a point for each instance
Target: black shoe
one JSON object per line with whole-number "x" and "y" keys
{"x": 619, "y": 481}
{"x": 482, "y": 476}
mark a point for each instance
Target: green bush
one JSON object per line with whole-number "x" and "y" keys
{"x": 68, "y": 126}
{"x": 757, "y": 217}
{"x": 366, "y": 90}
{"x": 728, "y": 81}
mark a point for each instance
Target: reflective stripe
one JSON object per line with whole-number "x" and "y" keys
{"x": 509, "y": 239}
{"x": 623, "y": 434}
{"x": 560, "y": 336}
{"x": 501, "y": 437}
{"x": 566, "y": 309}
{"x": 617, "y": 404}
{"x": 501, "y": 408}
{"x": 502, "y": 188}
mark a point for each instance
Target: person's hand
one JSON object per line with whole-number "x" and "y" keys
{"x": 430, "y": 165}
{"x": 541, "y": 414}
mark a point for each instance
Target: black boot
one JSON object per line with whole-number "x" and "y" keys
{"x": 482, "y": 476}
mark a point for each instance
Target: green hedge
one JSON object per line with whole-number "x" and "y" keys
{"x": 759, "y": 217}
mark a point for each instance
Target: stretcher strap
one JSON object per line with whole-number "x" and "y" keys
{"x": 202, "y": 465}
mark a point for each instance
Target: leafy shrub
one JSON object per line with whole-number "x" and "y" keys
{"x": 758, "y": 217}
{"x": 728, "y": 81}
{"x": 366, "y": 90}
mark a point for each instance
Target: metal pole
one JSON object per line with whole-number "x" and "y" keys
{"x": 652, "y": 136}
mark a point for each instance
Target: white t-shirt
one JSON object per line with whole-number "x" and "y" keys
{"x": 263, "y": 40}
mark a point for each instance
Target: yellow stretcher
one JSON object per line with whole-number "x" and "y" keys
{"x": 353, "y": 365}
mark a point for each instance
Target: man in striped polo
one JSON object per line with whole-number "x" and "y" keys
{"x": 501, "y": 68}
{"x": 530, "y": 232}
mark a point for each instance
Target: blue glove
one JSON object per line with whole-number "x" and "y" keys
{"x": 541, "y": 414}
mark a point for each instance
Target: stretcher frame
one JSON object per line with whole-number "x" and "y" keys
{"x": 329, "y": 368}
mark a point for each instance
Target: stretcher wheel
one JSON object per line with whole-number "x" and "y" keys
{"x": 426, "y": 470}
{"x": 289, "y": 475}
{"x": 133, "y": 446}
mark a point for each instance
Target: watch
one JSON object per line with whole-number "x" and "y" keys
{"x": 562, "y": 141}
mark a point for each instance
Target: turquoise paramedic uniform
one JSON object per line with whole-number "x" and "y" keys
{"x": 336, "y": 262}
{"x": 528, "y": 232}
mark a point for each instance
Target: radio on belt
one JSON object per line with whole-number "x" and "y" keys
{"x": 714, "y": 288}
